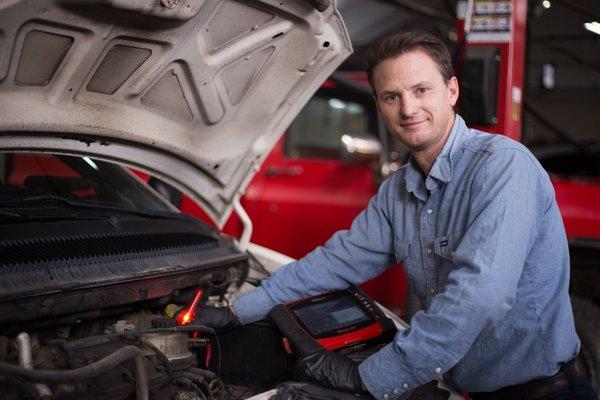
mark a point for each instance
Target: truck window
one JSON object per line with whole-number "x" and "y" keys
{"x": 317, "y": 130}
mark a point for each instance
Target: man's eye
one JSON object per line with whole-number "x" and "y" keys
{"x": 422, "y": 90}
{"x": 390, "y": 98}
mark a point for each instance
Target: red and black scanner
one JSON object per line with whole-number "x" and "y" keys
{"x": 344, "y": 321}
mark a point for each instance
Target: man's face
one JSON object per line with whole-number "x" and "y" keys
{"x": 414, "y": 100}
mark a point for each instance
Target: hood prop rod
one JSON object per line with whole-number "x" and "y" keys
{"x": 246, "y": 223}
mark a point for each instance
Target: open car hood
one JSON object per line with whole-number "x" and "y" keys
{"x": 195, "y": 92}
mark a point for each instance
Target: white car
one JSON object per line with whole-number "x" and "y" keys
{"x": 95, "y": 266}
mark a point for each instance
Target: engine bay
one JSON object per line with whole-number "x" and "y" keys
{"x": 143, "y": 355}
{"x": 157, "y": 351}
{"x": 153, "y": 353}
{"x": 89, "y": 291}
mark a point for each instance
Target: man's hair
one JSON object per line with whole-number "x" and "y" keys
{"x": 403, "y": 42}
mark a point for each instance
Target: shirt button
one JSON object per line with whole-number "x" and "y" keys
{"x": 396, "y": 391}
{"x": 385, "y": 396}
{"x": 429, "y": 250}
{"x": 429, "y": 211}
{"x": 405, "y": 386}
{"x": 438, "y": 370}
{"x": 432, "y": 291}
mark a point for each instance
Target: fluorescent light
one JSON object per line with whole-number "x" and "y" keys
{"x": 90, "y": 162}
{"x": 361, "y": 145}
{"x": 548, "y": 73}
{"x": 337, "y": 103}
{"x": 593, "y": 27}
{"x": 546, "y": 4}
{"x": 354, "y": 108}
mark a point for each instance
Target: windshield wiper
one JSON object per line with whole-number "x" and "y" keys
{"x": 8, "y": 215}
{"x": 50, "y": 198}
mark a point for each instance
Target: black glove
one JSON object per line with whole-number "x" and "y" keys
{"x": 332, "y": 370}
{"x": 302, "y": 342}
{"x": 221, "y": 319}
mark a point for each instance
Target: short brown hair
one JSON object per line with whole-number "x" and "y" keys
{"x": 405, "y": 41}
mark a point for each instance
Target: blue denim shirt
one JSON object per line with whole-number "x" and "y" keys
{"x": 484, "y": 247}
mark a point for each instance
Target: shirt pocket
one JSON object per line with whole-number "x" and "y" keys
{"x": 405, "y": 255}
{"x": 444, "y": 248}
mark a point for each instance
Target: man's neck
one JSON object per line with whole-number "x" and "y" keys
{"x": 424, "y": 161}
{"x": 427, "y": 157}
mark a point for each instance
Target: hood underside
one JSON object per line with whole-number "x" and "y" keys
{"x": 195, "y": 92}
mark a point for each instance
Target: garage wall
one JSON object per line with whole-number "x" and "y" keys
{"x": 557, "y": 37}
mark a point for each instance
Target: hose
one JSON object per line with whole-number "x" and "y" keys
{"x": 188, "y": 384}
{"x": 198, "y": 380}
{"x": 184, "y": 328}
{"x": 203, "y": 373}
{"x": 25, "y": 360}
{"x": 88, "y": 371}
{"x": 214, "y": 380}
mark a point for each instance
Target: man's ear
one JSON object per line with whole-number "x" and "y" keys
{"x": 453, "y": 91}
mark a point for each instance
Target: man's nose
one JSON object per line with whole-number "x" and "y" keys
{"x": 408, "y": 107}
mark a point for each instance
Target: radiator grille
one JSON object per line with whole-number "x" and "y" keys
{"x": 114, "y": 246}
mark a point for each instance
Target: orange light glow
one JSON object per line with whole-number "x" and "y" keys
{"x": 188, "y": 314}
{"x": 186, "y": 318}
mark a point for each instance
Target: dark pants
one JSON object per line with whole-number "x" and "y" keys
{"x": 580, "y": 389}
{"x": 571, "y": 377}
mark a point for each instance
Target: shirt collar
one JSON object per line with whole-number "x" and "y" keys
{"x": 442, "y": 167}
{"x": 413, "y": 176}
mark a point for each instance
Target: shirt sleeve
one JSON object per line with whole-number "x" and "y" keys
{"x": 510, "y": 196}
{"x": 350, "y": 256}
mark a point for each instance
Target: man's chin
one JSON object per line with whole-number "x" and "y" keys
{"x": 417, "y": 148}
{"x": 414, "y": 144}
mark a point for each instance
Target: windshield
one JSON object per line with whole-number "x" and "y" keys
{"x": 31, "y": 177}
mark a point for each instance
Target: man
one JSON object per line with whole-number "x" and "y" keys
{"x": 473, "y": 219}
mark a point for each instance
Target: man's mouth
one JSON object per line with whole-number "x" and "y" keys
{"x": 411, "y": 124}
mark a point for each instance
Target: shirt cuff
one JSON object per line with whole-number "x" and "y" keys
{"x": 253, "y": 306}
{"x": 384, "y": 377}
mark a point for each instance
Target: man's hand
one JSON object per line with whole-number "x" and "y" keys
{"x": 333, "y": 370}
{"x": 219, "y": 318}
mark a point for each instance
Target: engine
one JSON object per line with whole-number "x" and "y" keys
{"x": 143, "y": 355}
{"x": 99, "y": 310}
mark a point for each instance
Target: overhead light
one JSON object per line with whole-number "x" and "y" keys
{"x": 548, "y": 73}
{"x": 593, "y": 27}
{"x": 354, "y": 108}
{"x": 90, "y": 162}
{"x": 336, "y": 103}
{"x": 361, "y": 145}
{"x": 546, "y": 4}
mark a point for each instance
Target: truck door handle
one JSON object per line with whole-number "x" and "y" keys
{"x": 294, "y": 170}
